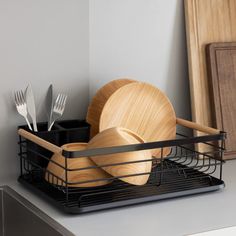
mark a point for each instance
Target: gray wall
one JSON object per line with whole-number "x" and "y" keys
{"x": 79, "y": 45}
{"x": 144, "y": 39}
{"x": 42, "y": 42}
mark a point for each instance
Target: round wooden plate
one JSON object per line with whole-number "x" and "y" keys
{"x": 145, "y": 110}
{"x": 99, "y": 100}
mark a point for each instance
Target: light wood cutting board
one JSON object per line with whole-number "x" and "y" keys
{"x": 99, "y": 100}
{"x": 145, "y": 110}
{"x": 207, "y": 21}
{"x": 221, "y": 61}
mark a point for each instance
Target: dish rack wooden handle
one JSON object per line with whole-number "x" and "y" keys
{"x": 41, "y": 142}
{"x": 193, "y": 125}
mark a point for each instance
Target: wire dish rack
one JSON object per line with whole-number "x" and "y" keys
{"x": 184, "y": 171}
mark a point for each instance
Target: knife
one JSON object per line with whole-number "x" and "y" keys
{"x": 49, "y": 104}
{"x": 31, "y": 106}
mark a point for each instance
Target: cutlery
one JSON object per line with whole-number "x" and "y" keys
{"x": 21, "y": 106}
{"x": 49, "y": 104}
{"x": 31, "y": 106}
{"x": 58, "y": 109}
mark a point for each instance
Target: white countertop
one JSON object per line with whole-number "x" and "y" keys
{"x": 179, "y": 216}
{"x": 230, "y": 231}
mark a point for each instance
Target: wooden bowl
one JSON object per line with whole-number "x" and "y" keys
{"x": 118, "y": 136}
{"x": 75, "y": 175}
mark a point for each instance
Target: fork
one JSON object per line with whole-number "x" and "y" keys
{"x": 21, "y": 106}
{"x": 58, "y": 109}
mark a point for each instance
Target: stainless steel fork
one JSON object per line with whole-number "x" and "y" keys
{"x": 58, "y": 109}
{"x": 21, "y": 106}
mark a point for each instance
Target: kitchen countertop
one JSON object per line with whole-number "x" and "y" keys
{"x": 179, "y": 216}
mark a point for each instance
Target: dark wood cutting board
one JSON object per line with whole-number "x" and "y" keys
{"x": 221, "y": 65}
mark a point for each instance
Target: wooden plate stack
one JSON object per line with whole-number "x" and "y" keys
{"x": 131, "y": 107}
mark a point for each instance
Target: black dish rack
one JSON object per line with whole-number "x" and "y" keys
{"x": 184, "y": 171}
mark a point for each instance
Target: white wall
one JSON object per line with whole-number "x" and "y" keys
{"x": 144, "y": 39}
{"x": 42, "y": 42}
{"x": 78, "y": 44}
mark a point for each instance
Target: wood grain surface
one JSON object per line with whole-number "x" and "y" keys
{"x": 207, "y": 21}
{"x": 99, "y": 100}
{"x": 221, "y": 61}
{"x": 118, "y": 136}
{"x": 198, "y": 127}
{"x": 73, "y": 175}
{"x": 41, "y": 142}
{"x": 145, "y": 110}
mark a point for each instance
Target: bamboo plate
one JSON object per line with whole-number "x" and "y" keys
{"x": 99, "y": 100}
{"x": 118, "y": 136}
{"x": 145, "y": 110}
{"x": 73, "y": 175}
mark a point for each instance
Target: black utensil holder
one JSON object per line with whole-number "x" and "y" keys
{"x": 65, "y": 131}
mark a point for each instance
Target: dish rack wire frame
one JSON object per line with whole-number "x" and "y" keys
{"x": 183, "y": 161}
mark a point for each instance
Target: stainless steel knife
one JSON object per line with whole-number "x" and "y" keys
{"x": 31, "y": 106}
{"x": 49, "y": 104}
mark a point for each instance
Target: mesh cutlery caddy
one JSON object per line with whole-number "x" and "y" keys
{"x": 184, "y": 171}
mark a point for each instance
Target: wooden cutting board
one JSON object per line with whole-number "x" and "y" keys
{"x": 99, "y": 100}
{"x": 207, "y": 21}
{"x": 144, "y": 109}
{"x": 221, "y": 64}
